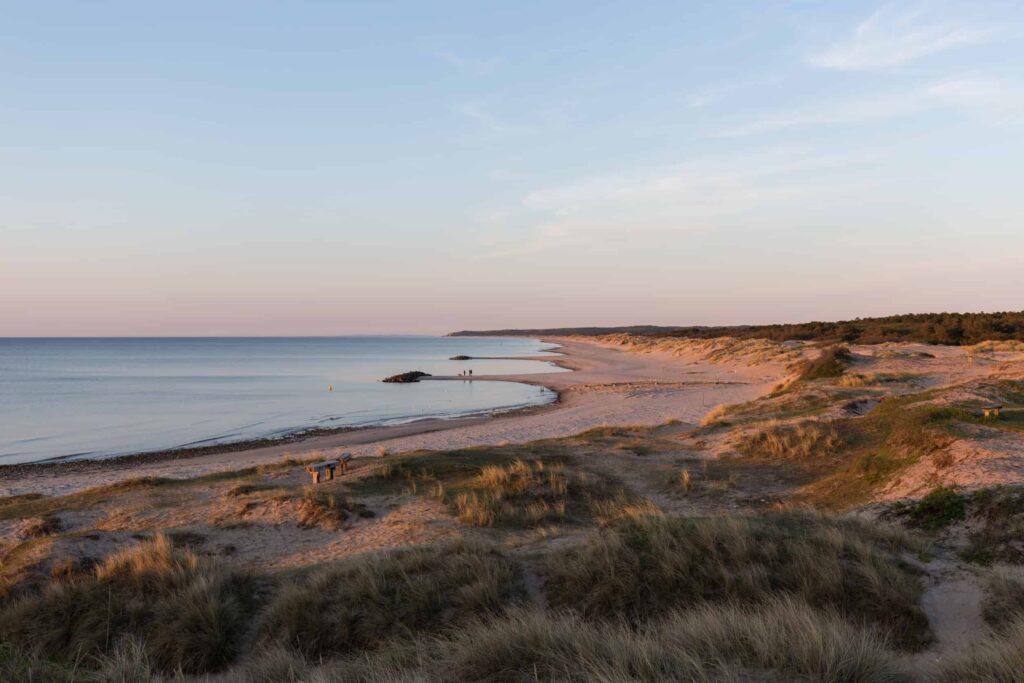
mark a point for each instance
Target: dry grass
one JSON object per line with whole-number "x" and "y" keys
{"x": 781, "y": 640}
{"x": 647, "y": 566}
{"x": 327, "y": 509}
{"x": 504, "y": 487}
{"x": 804, "y": 440}
{"x": 996, "y": 346}
{"x": 1004, "y": 600}
{"x": 715, "y": 416}
{"x": 873, "y": 379}
{"x": 47, "y": 525}
{"x": 192, "y": 613}
{"x": 528, "y": 493}
{"x": 360, "y": 603}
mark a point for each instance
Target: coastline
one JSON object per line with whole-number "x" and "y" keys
{"x": 358, "y": 434}
{"x": 607, "y": 385}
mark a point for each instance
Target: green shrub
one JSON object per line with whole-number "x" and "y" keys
{"x": 938, "y": 509}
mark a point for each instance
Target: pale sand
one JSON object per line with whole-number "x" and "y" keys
{"x": 609, "y": 386}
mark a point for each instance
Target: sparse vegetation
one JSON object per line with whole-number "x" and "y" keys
{"x": 891, "y": 437}
{"x": 327, "y": 509}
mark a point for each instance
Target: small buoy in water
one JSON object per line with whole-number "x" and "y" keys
{"x": 330, "y": 387}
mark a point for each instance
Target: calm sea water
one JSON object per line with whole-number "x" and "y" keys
{"x": 102, "y": 397}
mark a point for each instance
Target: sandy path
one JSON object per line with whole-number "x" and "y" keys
{"x": 608, "y": 387}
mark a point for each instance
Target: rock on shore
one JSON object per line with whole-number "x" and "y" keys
{"x": 406, "y": 377}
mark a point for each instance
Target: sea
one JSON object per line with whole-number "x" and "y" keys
{"x": 74, "y": 398}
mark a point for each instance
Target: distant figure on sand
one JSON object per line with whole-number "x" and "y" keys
{"x": 470, "y": 373}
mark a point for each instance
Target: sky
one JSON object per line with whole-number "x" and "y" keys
{"x": 322, "y": 168}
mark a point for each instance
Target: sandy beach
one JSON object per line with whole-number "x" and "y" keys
{"x": 608, "y": 386}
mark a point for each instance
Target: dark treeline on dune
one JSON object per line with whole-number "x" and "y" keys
{"x": 930, "y": 328}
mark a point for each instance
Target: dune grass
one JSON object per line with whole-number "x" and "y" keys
{"x": 192, "y": 613}
{"x": 359, "y": 604}
{"x": 779, "y": 640}
{"x": 803, "y": 440}
{"x": 874, "y": 379}
{"x": 1004, "y": 600}
{"x": 528, "y": 493}
{"x": 997, "y": 514}
{"x": 510, "y": 487}
{"x": 647, "y": 566}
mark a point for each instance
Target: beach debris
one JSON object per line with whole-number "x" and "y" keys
{"x": 406, "y": 377}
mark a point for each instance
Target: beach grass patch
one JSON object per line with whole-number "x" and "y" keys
{"x": 191, "y": 612}
{"x": 359, "y": 604}
{"x": 644, "y": 567}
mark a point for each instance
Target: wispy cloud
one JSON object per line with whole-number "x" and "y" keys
{"x": 895, "y": 34}
{"x": 1004, "y": 100}
{"x": 713, "y": 94}
{"x": 468, "y": 63}
{"x": 479, "y": 115}
{"x": 612, "y": 212}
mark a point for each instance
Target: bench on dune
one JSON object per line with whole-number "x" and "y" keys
{"x": 324, "y": 471}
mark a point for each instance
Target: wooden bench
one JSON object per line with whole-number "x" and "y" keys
{"x": 324, "y": 471}
{"x": 991, "y": 411}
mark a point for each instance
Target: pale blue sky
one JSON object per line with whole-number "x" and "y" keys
{"x": 342, "y": 167}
